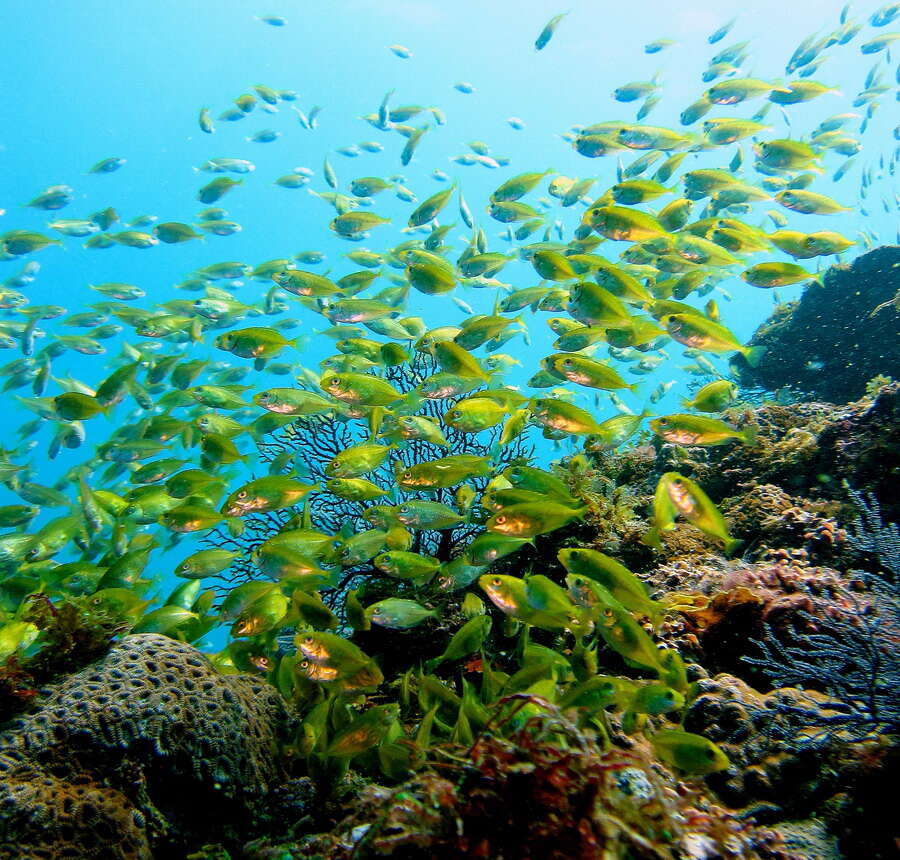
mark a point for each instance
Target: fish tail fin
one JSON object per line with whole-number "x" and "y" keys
{"x": 751, "y": 434}
{"x": 754, "y": 355}
{"x": 651, "y": 539}
{"x": 235, "y": 526}
{"x": 732, "y": 545}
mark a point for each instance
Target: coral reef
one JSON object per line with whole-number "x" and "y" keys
{"x": 782, "y": 597}
{"x": 151, "y": 743}
{"x": 806, "y": 450}
{"x": 73, "y": 633}
{"x": 548, "y": 790}
{"x": 782, "y": 769}
{"x": 838, "y": 335}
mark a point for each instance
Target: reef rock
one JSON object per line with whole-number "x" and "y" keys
{"x": 781, "y": 768}
{"x": 806, "y": 450}
{"x": 838, "y": 336}
{"x": 148, "y": 747}
{"x": 745, "y": 603}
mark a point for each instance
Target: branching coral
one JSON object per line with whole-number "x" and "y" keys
{"x": 852, "y": 655}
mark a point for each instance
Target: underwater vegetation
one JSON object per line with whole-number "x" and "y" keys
{"x": 444, "y": 592}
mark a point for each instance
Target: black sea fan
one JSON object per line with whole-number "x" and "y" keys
{"x": 308, "y": 444}
{"x": 853, "y": 655}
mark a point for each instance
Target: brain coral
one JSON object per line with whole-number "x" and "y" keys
{"x": 178, "y": 748}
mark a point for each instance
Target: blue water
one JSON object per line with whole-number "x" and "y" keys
{"x": 95, "y": 78}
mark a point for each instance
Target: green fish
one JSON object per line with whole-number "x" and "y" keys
{"x": 292, "y": 402}
{"x": 562, "y": 416}
{"x": 360, "y": 389}
{"x": 677, "y": 495}
{"x": 693, "y": 754}
{"x": 509, "y": 595}
{"x": 777, "y": 274}
{"x": 366, "y": 731}
{"x": 529, "y": 519}
{"x": 713, "y": 397}
{"x": 809, "y": 202}
{"x": 683, "y": 429}
{"x": 407, "y": 565}
{"x": 218, "y": 188}
{"x": 75, "y": 406}
{"x": 694, "y": 330}
{"x": 444, "y": 472}
{"x": 398, "y": 613}
{"x": 253, "y": 342}
{"x": 474, "y": 415}
{"x": 354, "y": 489}
{"x": 272, "y": 493}
{"x": 617, "y": 579}
{"x": 357, "y": 460}
{"x": 656, "y": 699}
{"x": 467, "y": 640}
{"x": 585, "y": 371}
{"x": 547, "y": 33}
{"x": 487, "y": 548}
{"x": 423, "y": 514}
{"x": 429, "y": 209}
{"x": 206, "y": 562}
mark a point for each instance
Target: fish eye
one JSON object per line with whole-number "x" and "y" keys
{"x": 663, "y": 422}
{"x": 334, "y": 380}
{"x": 501, "y": 519}
{"x": 404, "y": 509}
{"x": 567, "y": 362}
{"x": 304, "y": 664}
{"x": 242, "y": 494}
{"x": 407, "y": 475}
{"x": 496, "y": 582}
{"x": 308, "y": 640}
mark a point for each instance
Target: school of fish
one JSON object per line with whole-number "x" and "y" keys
{"x": 628, "y": 264}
